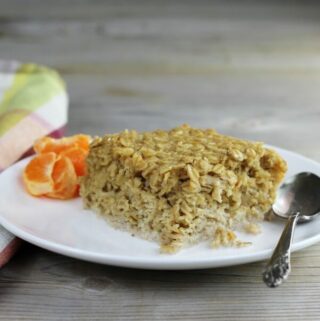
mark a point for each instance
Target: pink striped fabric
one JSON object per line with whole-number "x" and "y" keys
{"x": 25, "y": 115}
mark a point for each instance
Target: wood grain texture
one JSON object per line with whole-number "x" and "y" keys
{"x": 250, "y": 70}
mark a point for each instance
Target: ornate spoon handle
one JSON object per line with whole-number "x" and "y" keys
{"x": 278, "y": 267}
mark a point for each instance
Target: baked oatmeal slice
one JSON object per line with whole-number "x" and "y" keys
{"x": 181, "y": 186}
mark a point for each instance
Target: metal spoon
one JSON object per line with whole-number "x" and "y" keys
{"x": 298, "y": 200}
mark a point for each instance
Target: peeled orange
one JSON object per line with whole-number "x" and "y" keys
{"x": 48, "y": 144}
{"x": 54, "y": 171}
{"x": 65, "y": 179}
{"x": 37, "y": 174}
{"x": 77, "y": 156}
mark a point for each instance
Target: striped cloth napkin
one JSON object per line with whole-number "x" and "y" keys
{"x": 33, "y": 103}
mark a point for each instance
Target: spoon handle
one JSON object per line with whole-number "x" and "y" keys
{"x": 278, "y": 267}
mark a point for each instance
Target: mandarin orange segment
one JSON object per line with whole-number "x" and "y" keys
{"x": 37, "y": 175}
{"x": 65, "y": 179}
{"x": 48, "y": 144}
{"x": 77, "y": 157}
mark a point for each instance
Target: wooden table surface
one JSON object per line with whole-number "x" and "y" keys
{"x": 250, "y": 69}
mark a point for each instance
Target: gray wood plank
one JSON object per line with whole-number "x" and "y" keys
{"x": 46, "y": 286}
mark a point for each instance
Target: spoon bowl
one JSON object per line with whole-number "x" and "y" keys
{"x": 300, "y": 193}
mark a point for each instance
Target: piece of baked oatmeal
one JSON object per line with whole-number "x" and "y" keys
{"x": 181, "y": 186}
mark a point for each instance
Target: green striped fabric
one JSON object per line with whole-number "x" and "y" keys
{"x": 33, "y": 103}
{"x": 31, "y": 87}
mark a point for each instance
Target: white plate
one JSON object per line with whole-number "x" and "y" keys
{"x": 64, "y": 227}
